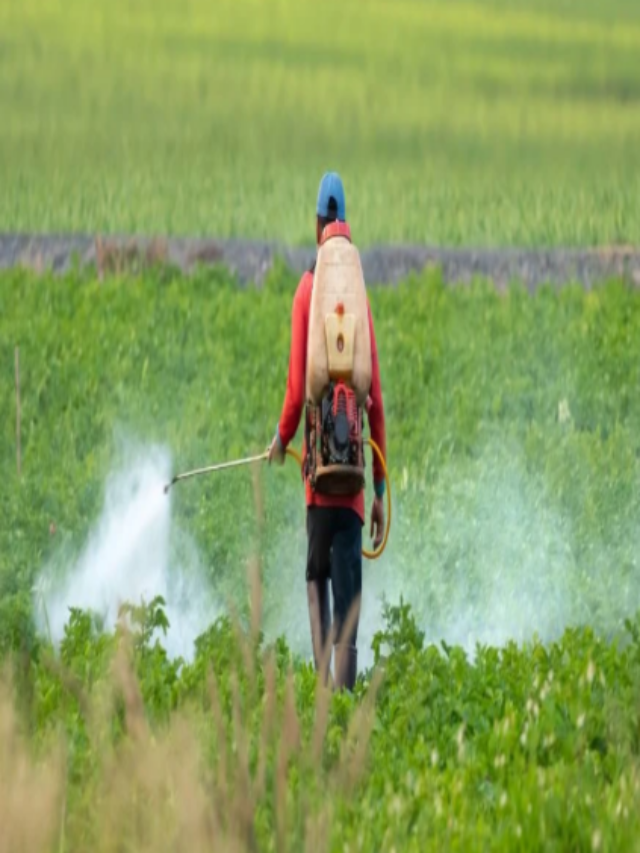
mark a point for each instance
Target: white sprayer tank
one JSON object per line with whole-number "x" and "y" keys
{"x": 339, "y": 344}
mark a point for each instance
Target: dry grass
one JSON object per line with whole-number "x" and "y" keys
{"x": 117, "y": 257}
{"x": 25, "y": 782}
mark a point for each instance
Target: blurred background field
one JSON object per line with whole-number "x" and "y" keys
{"x": 452, "y": 122}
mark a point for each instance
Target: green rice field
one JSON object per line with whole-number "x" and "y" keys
{"x": 451, "y": 122}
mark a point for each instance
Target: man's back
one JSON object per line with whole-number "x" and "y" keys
{"x": 295, "y": 396}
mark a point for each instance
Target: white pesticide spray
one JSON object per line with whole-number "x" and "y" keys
{"x": 133, "y": 554}
{"x": 484, "y": 555}
{"x": 480, "y": 554}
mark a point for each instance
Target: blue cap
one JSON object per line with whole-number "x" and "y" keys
{"x": 331, "y": 186}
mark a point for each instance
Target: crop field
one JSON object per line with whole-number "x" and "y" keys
{"x": 513, "y": 448}
{"x": 157, "y": 689}
{"x": 453, "y": 123}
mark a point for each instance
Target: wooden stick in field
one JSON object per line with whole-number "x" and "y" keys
{"x": 18, "y": 460}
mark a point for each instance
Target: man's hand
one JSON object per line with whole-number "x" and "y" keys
{"x": 276, "y": 451}
{"x": 377, "y": 521}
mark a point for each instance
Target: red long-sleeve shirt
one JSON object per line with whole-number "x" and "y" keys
{"x": 295, "y": 398}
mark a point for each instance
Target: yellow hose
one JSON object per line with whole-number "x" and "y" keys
{"x": 291, "y": 451}
{"x": 373, "y": 555}
{"x": 370, "y": 555}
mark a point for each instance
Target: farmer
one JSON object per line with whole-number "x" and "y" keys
{"x": 334, "y": 523}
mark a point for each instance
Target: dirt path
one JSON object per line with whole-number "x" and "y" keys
{"x": 251, "y": 260}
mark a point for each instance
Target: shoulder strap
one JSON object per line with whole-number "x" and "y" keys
{"x": 335, "y": 229}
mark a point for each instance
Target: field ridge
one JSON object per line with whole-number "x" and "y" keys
{"x": 251, "y": 260}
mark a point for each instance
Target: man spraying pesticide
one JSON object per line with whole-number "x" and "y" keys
{"x": 334, "y": 375}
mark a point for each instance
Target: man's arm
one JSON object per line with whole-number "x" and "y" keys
{"x": 294, "y": 397}
{"x": 376, "y": 413}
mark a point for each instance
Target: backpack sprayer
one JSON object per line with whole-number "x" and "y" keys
{"x": 261, "y": 457}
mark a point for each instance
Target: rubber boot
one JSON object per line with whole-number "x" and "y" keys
{"x": 345, "y": 666}
{"x": 320, "y": 621}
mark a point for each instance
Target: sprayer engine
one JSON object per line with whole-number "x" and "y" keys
{"x": 341, "y": 427}
{"x": 335, "y": 447}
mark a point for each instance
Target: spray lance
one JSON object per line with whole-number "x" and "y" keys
{"x": 261, "y": 457}
{"x": 219, "y": 467}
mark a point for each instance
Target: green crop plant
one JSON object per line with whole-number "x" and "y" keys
{"x": 107, "y": 744}
{"x": 513, "y": 423}
{"x": 498, "y": 711}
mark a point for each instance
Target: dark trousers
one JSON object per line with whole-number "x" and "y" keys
{"x": 334, "y": 557}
